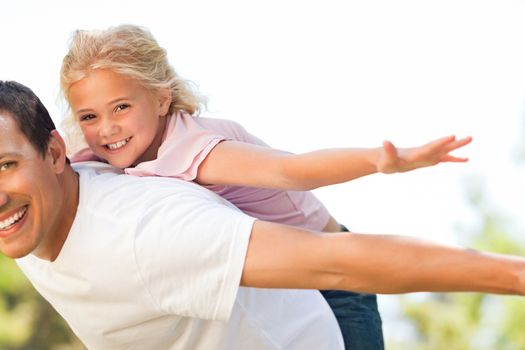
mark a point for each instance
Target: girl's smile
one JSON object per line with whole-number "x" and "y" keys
{"x": 122, "y": 121}
{"x": 117, "y": 145}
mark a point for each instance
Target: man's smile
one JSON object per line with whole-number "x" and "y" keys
{"x": 11, "y": 221}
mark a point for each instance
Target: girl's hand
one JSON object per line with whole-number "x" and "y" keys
{"x": 394, "y": 160}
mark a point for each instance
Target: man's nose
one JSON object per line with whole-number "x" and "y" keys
{"x": 3, "y": 198}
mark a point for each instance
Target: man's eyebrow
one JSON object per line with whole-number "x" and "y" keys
{"x": 8, "y": 155}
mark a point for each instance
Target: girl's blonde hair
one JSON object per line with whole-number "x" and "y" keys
{"x": 128, "y": 50}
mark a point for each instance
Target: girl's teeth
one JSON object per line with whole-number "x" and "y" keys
{"x": 118, "y": 144}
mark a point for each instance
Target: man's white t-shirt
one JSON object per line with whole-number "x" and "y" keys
{"x": 155, "y": 263}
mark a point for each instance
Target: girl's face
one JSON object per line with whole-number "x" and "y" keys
{"x": 122, "y": 121}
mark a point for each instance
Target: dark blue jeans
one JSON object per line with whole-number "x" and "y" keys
{"x": 358, "y": 318}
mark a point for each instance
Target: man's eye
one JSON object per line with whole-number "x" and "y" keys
{"x": 86, "y": 117}
{"x": 6, "y": 166}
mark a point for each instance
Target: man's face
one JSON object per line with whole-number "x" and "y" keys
{"x": 30, "y": 195}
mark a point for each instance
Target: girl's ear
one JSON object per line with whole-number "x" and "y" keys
{"x": 164, "y": 101}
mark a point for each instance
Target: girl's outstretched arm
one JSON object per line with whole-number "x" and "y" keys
{"x": 242, "y": 164}
{"x": 285, "y": 257}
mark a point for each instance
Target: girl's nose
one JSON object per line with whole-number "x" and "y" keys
{"x": 108, "y": 128}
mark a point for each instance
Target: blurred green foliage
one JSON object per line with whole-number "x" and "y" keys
{"x": 27, "y": 321}
{"x": 471, "y": 321}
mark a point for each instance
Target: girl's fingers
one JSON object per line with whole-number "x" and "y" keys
{"x": 450, "y": 158}
{"x": 390, "y": 149}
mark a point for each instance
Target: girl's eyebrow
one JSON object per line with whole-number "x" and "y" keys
{"x": 84, "y": 110}
{"x": 118, "y": 99}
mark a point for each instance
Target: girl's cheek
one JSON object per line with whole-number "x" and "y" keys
{"x": 88, "y": 134}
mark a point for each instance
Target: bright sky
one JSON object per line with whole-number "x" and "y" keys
{"x": 304, "y": 75}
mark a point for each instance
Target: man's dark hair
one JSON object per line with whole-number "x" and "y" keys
{"x": 28, "y": 112}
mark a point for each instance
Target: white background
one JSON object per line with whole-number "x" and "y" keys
{"x": 304, "y": 75}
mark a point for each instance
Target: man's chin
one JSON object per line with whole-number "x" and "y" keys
{"x": 15, "y": 253}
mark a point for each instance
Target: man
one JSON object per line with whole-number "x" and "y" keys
{"x": 155, "y": 263}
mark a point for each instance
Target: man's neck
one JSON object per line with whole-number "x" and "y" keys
{"x": 66, "y": 213}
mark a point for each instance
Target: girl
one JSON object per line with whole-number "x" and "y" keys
{"x": 136, "y": 113}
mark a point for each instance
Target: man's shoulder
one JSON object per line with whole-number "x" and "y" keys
{"x": 101, "y": 181}
{"x": 93, "y": 168}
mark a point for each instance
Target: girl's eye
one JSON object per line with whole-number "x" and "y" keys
{"x": 121, "y": 107}
{"x": 86, "y": 117}
{"x": 6, "y": 166}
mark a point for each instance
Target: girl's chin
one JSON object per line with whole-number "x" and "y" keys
{"x": 119, "y": 163}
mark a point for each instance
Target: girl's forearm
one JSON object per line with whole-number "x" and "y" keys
{"x": 329, "y": 166}
{"x": 240, "y": 164}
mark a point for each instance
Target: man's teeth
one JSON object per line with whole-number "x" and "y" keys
{"x": 118, "y": 144}
{"x": 13, "y": 219}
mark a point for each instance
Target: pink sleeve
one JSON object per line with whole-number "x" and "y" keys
{"x": 185, "y": 146}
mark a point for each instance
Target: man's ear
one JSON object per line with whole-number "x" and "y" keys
{"x": 164, "y": 96}
{"x": 56, "y": 150}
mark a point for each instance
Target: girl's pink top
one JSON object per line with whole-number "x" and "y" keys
{"x": 187, "y": 142}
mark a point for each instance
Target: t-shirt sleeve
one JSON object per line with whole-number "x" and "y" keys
{"x": 232, "y": 129}
{"x": 184, "y": 148}
{"x": 191, "y": 259}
